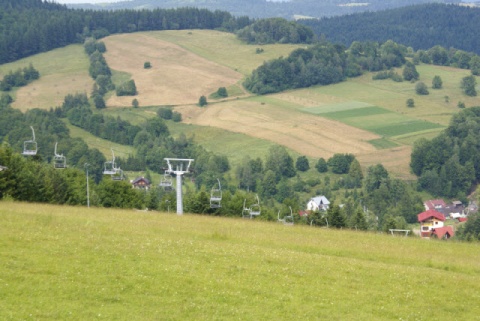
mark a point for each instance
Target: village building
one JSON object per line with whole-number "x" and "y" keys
{"x": 318, "y": 203}
{"x": 141, "y": 183}
{"x": 438, "y": 204}
{"x": 3, "y": 168}
{"x": 432, "y": 225}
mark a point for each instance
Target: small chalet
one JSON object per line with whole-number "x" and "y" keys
{"x": 3, "y": 168}
{"x": 435, "y": 204}
{"x": 430, "y": 221}
{"x": 140, "y": 182}
{"x": 318, "y": 203}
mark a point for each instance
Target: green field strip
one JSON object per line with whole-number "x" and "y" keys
{"x": 381, "y": 121}
{"x": 392, "y": 130}
{"x": 410, "y": 138}
{"x": 383, "y": 143}
{"x": 275, "y": 102}
{"x": 358, "y": 112}
{"x": 330, "y": 108}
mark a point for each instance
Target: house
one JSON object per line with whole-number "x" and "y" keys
{"x": 430, "y": 220}
{"x": 3, "y": 168}
{"x": 140, "y": 182}
{"x": 435, "y": 204}
{"x": 445, "y": 232}
{"x": 318, "y": 203}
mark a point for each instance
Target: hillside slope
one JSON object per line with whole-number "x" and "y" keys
{"x": 76, "y": 263}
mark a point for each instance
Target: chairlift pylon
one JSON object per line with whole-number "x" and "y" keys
{"x": 216, "y": 195}
{"x": 59, "y": 161}
{"x": 30, "y": 146}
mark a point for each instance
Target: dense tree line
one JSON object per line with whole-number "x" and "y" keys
{"x": 420, "y": 27}
{"x": 19, "y": 78}
{"x": 323, "y": 64}
{"x": 28, "y": 27}
{"x": 265, "y": 8}
{"x": 449, "y": 164}
{"x": 275, "y": 30}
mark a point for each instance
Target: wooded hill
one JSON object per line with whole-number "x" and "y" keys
{"x": 419, "y": 26}
{"x": 264, "y": 8}
{"x": 28, "y": 27}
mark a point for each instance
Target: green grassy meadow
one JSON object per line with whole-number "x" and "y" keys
{"x": 75, "y": 263}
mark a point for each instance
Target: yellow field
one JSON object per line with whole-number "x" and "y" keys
{"x": 177, "y": 76}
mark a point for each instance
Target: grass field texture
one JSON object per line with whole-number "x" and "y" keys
{"x": 60, "y": 263}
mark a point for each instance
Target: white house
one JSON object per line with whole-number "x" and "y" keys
{"x": 318, "y": 203}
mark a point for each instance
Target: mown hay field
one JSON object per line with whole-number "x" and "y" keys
{"x": 63, "y": 71}
{"x": 60, "y": 263}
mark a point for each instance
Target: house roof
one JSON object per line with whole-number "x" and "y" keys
{"x": 303, "y": 213}
{"x": 138, "y": 179}
{"x": 3, "y": 168}
{"x": 462, "y": 219}
{"x": 443, "y": 232}
{"x": 429, "y": 214}
{"x": 432, "y": 204}
{"x": 320, "y": 200}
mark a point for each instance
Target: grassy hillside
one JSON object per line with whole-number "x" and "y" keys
{"x": 76, "y": 263}
{"x": 62, "y": 71}
{"x": 361, "y": 116}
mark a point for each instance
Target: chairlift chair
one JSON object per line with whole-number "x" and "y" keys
{"x": 255, "y": 209}
{"x": 109, "y": 166}
{"x": 216, "y": 195}
{"x": 245, "y": 210}
{"x": 59, "y": 161}
{"x": 30, "y": 146}
{"x": 118, "y": 176}
{"x": 287, "y": 219}
{"x": 166, "y": 181}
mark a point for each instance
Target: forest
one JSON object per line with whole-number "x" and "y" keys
{"x": 28, "y": 27}
{"x": 264, "y": 8}
{"x": 420, "y": 27}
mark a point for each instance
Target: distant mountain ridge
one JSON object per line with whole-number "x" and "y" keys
{"x": 419, "y": 27}
{"x": 268, "y": 9}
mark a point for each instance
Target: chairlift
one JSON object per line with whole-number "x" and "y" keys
{"x": 166, "y": 181}
{"x": 59, "y": 161}
{"x": 216, "y": 195}
{"x": 109, "y": 167}
{"x": 30, "y": 146}
{"x": 245, "y": 210}
{"x": 287, "y": 219}
{"x": 118, "y": 176}
{"x": 255, "y": 209}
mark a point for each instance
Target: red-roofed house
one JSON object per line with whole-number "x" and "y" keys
{"x": 430, "y": 220}
{"x": 435, "y": 204}
{"x": 445, "y": 232}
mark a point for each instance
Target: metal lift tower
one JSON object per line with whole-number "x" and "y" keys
{"x": 176, "y": 166}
